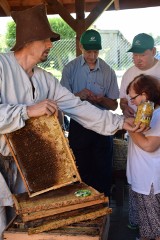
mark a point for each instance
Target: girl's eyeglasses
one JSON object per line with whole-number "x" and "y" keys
{"x": 133, "y": 98}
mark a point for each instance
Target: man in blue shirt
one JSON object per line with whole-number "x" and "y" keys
{"x": 93, "y": 80}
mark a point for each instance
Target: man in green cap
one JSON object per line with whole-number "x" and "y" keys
{"x": 144, "y": 60}
{"x": 144, "y": 63}
{"x": 92, "y": 79}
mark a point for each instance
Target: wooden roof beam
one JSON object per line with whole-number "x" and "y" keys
{"x": 80, "y": 22}
{"x": 80, "y": 15}
{"x": 97, "y": 11}
{"x": 62, "y": 11}
{"x": 5, "y": 6}
{"x": 116, "y": 5}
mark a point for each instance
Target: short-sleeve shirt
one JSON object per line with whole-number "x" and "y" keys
{"x": 143, "y": 168}
{"x": 131, "y": 73}
{"x": 101, "y": 80}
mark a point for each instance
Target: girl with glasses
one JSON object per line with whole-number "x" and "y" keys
{"x": 143, "y": 161}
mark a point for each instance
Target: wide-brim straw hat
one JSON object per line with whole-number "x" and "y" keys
{"x": 32, "y": 25}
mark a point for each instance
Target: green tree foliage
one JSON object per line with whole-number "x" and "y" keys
{"x": 60, "y": 26}
{"x": 157, "y": 40}
{"x": 2, "y": 43}
{"x": 10, "y": 34}
{"x": 60, "y": 53}
{"x": 57, "y": 24}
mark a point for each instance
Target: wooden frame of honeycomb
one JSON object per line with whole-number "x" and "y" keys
{"x": 42, "y": 154}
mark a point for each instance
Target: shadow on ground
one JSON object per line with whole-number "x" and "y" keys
{"x": 119, "y": 219}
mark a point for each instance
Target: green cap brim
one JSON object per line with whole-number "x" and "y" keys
{"x": 137, "y": 50}
{"x": 92, "y": 46}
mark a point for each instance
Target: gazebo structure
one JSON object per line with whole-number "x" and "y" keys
{"x": 65, "y": 7}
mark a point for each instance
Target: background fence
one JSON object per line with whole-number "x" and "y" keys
{"x": 114, "y": 48}
{"x": 114, "y": 52}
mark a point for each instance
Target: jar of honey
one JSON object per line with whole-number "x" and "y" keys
{"x": 144, "y": 113}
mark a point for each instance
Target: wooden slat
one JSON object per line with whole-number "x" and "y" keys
{"x": 57, "y": 223}
{"x": 58, "y": 199}
{"x": 96, "y": 229}
{"x": 5, "y": 6}
{"x": 69, "y": 5}
{"x": 63, "y": 13}
{"x": 47, "y": 236}
{"x": 80, "y": 22}
{"x": 97, "y": 11}
{"x": 51, "y": 212}
{"x": 24, "y": 3}
{"x": 116, "y": 5}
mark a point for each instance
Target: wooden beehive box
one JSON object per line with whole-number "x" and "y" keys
{"x": 48, "y": 169}
{"x": 42, "y": 155}
{"x": 96, "y": 229}
{"x": 61, "y": 207}
{"x": 55, "y": 202}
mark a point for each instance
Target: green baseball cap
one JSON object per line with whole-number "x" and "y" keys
{"x": 141, "y": 43}
{"x": 91, "y": 40}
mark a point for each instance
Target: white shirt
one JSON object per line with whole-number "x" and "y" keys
{"x": 5, "y": 194}
{"x": 143, "y": 168}
{"x": 139, "y": 177}
{"x": 131, "y": 73}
